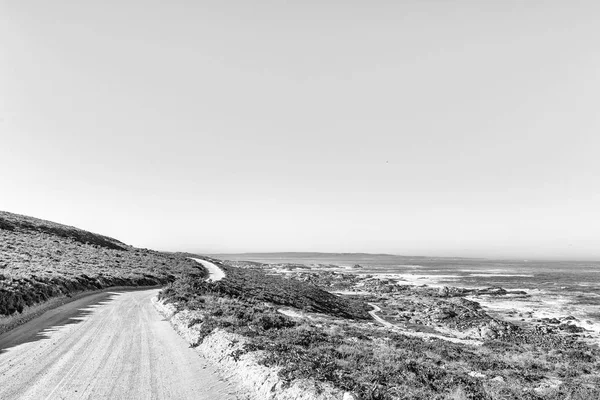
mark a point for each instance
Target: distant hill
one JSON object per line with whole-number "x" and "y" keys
{"x": 329, "y": 257}
{"x": 41, "y": 259}
{"x": 307, "y": 254}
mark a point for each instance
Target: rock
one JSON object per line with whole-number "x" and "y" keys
{"x": 442, "y": 314}
{"x": 547, "y": 386}
{"x": 553, "y": 321}
{"x": 569, "y": 318}
{"x": 448, "y": 291}
{"x": 498, "y": 379}
{"x": 494, "y": 329}
{"x": 487, "y": 333}
{"x": 519, "y": 292}
{"x": 476, "y": 374}
{"x": 571, "y": 328}
{"x": 543, "y": 329}
{"x": 350, "y": 396}
{"x": 493, "y": 291}
{"x": 470, "y": 304}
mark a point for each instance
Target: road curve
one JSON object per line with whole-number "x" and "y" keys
{"x": 214, "y": 273}
{"x": 373, "y": 313}
{"x": 111, "y": 345}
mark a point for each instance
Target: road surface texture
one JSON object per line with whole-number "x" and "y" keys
{"x": 110, "y": 345}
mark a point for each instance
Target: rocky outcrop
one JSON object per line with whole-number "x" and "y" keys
{"x": 494, "y": 329}
{"x": 497, "y": 291}
{"x": 450, "y": 291}
{"x": 554, "y": 325}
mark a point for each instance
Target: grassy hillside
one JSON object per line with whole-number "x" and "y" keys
{"x": 42, "y": 259}
{"x": 22, "y": 223}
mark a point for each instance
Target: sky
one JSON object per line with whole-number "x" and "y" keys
{"x": 463, "y": 128}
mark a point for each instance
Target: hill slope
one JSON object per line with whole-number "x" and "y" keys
{"x": 25, "y": 224}
{"x": 40, "y": 260}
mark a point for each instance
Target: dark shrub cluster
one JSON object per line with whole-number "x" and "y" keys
{"x": 256, "y": 284}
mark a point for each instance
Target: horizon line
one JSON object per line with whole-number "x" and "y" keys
{"x": 491, "y": 258}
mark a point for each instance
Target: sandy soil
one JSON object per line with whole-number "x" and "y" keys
{"x": 111, "y": 345}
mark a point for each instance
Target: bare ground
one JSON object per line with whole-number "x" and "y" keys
{"x": 107, "y": 345}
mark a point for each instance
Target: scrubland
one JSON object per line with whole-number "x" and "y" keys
{"x": 333, "y": 342}
{"x": 40, "y": 260}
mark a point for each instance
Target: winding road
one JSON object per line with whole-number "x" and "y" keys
{"x": 214, "y": 273}
{"x": 109, "y": 345}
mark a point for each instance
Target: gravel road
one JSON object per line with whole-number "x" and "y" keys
{"x": 111, "y": 345}
{"x": 214, "y": 273}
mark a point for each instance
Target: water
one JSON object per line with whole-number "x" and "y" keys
{"x": 555, "y": 288}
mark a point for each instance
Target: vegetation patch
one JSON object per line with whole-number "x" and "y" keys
{"x": 255, "y": 285}
{"x": 343, "y": 349}
{"x": 40, "y": 260}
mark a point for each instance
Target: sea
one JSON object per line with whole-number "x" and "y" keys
{"x": 554, "y": 289}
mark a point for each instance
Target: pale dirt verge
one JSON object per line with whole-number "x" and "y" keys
{"x": 224, "y": 349}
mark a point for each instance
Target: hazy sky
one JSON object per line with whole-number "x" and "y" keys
{"x": 459, "y": 128}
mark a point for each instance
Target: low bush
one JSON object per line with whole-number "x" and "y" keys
{"x": 375, "y": 363}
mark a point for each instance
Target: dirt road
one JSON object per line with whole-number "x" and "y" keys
{"x": 111, "y": 345}
{"x": 214, "y": 273}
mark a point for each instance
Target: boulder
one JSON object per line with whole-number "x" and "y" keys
{"x": 486, "y": 332}
{"x": 570, "y": 328}
{"x": 492, "y": 291}
{"x": 569, "y": 318}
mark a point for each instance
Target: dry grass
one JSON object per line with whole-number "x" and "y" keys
{"x": 40, "y": 260}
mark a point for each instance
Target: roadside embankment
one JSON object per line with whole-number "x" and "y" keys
{"x": 227, "y": 351}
